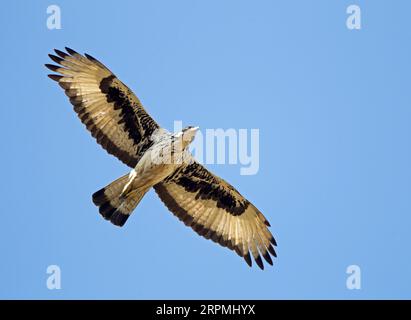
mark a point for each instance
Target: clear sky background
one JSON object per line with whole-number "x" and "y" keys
{"x": 333, "y": 107}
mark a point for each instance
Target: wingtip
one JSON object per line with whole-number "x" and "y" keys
{"x": 55, "y": 58}
{"x": 247, "y": 259}
{"x": 71, "y": 51}
{"x": 52, "y": 67}
{"x": 55, "y": 77}
{"x": 90, "y": 57}
{"x": 272, "y": 251}
{"x": 272, "y": 240}
{"x": 268, "y": 258}
{"x": 259, "y": 262}
{"x": 61, "y": 53}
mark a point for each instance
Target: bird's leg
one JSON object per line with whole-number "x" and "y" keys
{"x": 128, "y": 187}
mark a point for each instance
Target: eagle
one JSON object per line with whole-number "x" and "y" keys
{"x": 158, "y": 159}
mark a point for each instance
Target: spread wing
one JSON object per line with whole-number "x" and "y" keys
{"x": 108, "y": 108}
{"x": 217, "y": 211}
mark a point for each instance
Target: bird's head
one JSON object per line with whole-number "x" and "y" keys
{"x": 188, "y": 135}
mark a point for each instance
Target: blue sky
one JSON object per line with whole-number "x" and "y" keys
{"x": 332, "y": 106}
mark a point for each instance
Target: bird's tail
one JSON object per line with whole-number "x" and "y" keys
{"x": 113, "y": 205}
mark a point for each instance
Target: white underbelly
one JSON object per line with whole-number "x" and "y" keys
{"x": 152, "y": 169}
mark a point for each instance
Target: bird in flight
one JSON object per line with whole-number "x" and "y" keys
{"x": 159, "y": 159}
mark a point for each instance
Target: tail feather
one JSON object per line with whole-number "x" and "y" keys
{"x": 113, "y": 206}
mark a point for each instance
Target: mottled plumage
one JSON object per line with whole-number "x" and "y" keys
{"x": 159, "y": 159}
